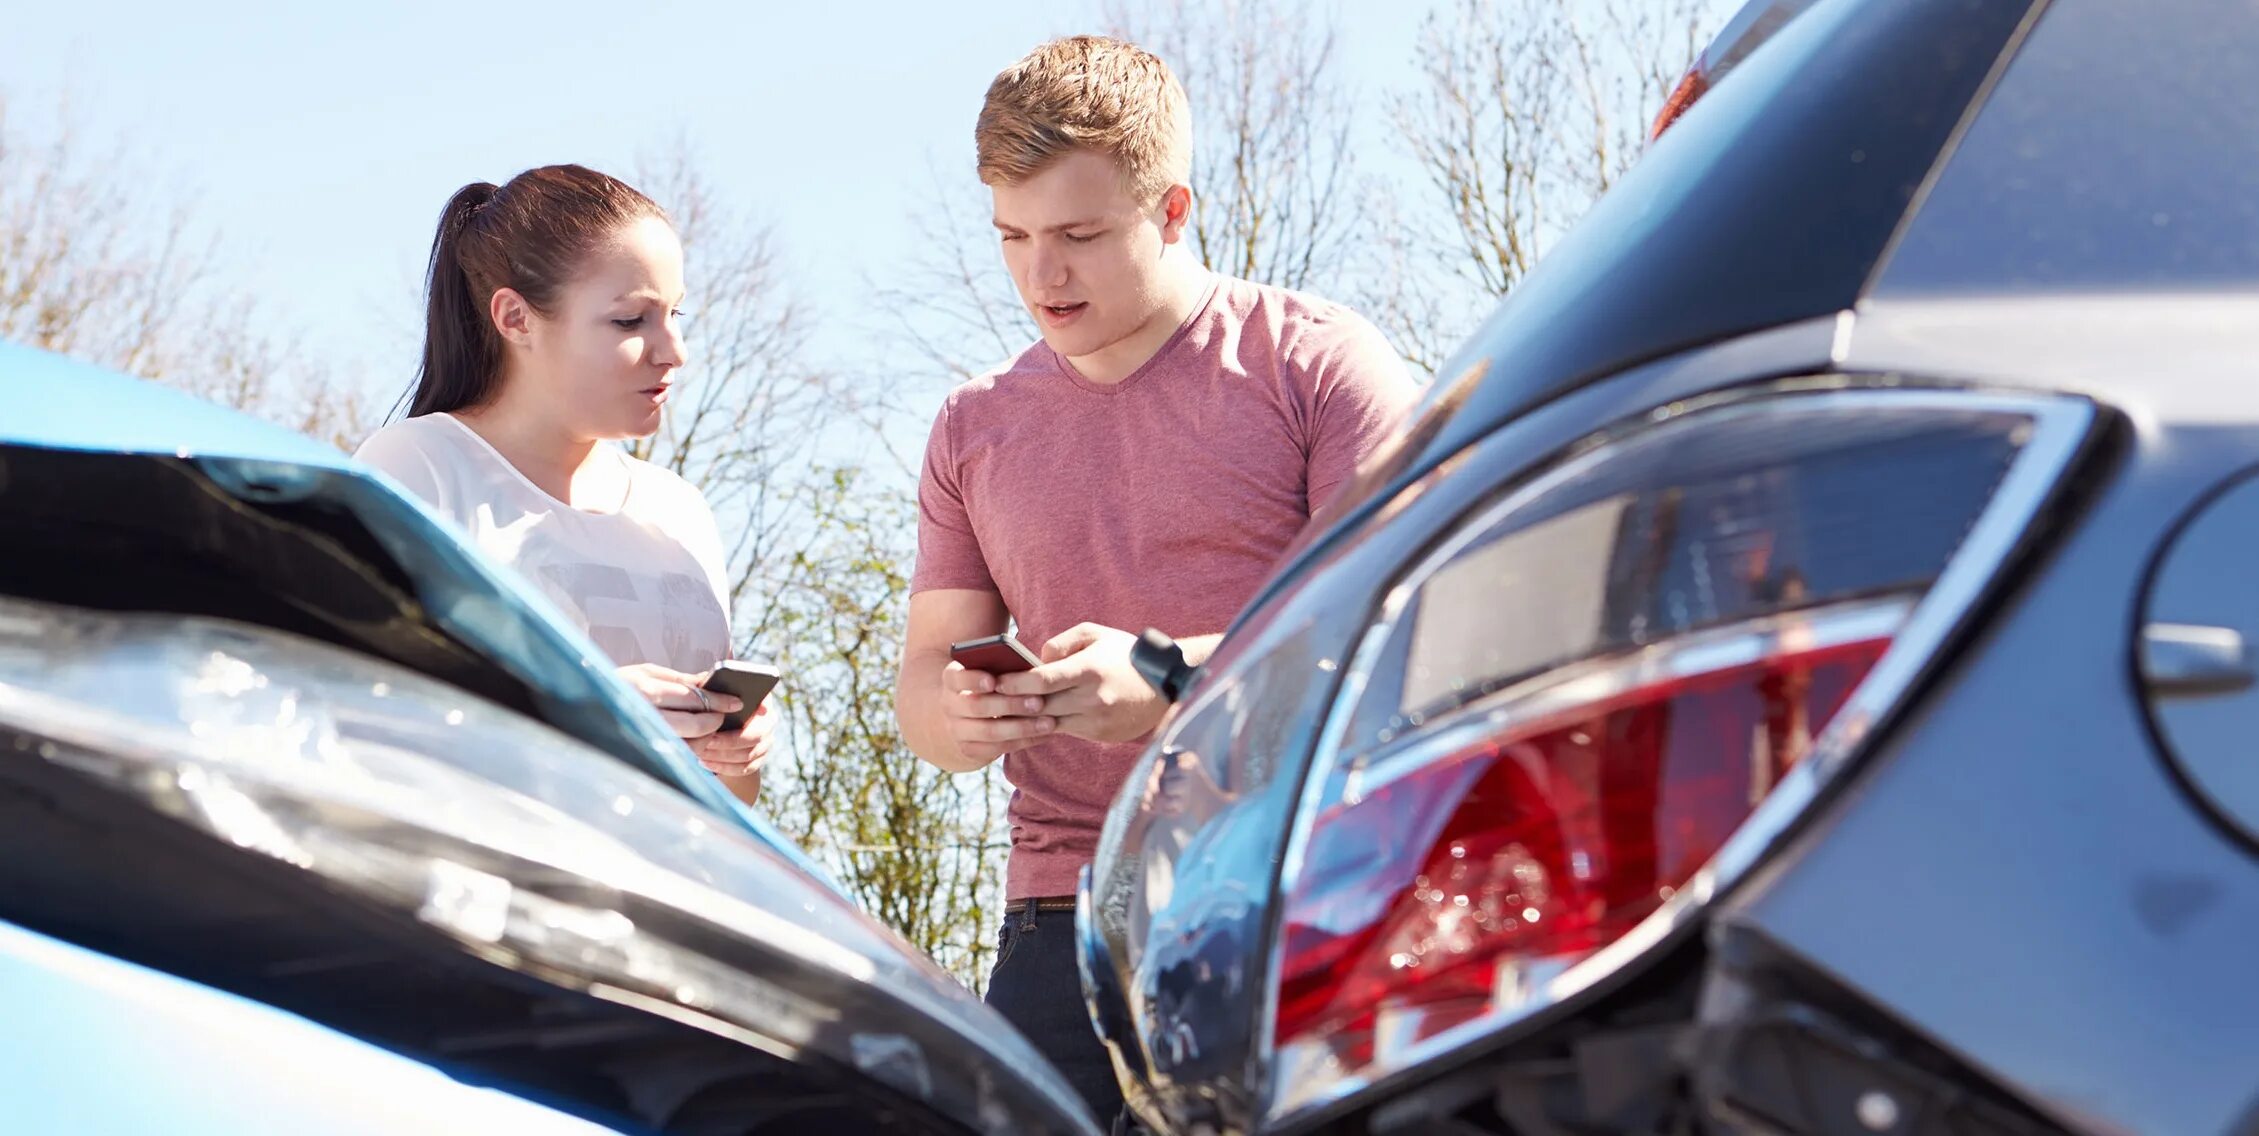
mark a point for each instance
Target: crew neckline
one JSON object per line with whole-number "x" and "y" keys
{"x": 480, "y": 440}
{"x": 1207, "y": 301}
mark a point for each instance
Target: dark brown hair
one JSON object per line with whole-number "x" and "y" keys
{"x": 530, "y": 235}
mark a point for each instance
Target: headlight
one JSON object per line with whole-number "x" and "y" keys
{"x": 520, "y": 843}
{"x": 1598, "y": 698}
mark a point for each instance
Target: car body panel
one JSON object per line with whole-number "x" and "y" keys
{"x": 2057, "y": 851}
{"x": 2017, "y": 874}
{"x": 94, "y": 1044}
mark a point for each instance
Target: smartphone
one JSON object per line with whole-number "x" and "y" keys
{"x": 997, "y": 654}
{"x": 749, "y": 682}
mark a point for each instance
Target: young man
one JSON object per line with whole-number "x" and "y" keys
{"x": 1143, "y": 465}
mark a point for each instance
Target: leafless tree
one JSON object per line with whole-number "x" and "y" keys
{"x": 922, "y": 849}
{"x": 756, "y": 408}
{"x": 1524, "y": 113}
{"x": 1276, "y": 193}
{"x": 99, "y": 263}
{"x": 819, "y": 547}
{"x": 952, "y": 311}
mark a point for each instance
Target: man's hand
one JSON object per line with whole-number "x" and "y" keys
{"x": 985, "y": 724}
{"x": 1087, "y": 684}
{"x": 1184, "y": 787}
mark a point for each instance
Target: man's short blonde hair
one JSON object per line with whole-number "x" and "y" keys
{"x": 1087, "y": 92}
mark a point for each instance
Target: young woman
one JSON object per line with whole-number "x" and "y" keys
{"x": 552, "y": 332}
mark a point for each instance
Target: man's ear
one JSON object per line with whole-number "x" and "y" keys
{"x": 1176, "y": 212}
{"x": 512, "y": 316}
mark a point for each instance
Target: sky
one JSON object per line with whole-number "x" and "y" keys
{"x": 319, "y": 140}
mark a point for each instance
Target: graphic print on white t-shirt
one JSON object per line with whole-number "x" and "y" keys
{"x": 614, "y": 606}
{"x": 686, "y": 605}
{"x": 643, "y": 583}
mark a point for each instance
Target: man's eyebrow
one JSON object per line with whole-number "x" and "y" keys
{"x": 1062, "y": 227}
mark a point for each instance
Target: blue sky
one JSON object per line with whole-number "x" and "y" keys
{"x": 318, "y": 140}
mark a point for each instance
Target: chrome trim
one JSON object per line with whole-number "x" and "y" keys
{"x": 1598, "y": 680}
{"x": 2060, "y": 425}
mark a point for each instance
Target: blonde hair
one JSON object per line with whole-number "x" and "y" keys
{"x": 1087, "y": 92}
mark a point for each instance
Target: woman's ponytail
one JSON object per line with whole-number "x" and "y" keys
{"x": 462, "y": 353}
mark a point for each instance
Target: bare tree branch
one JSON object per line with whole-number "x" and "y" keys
{"x": 1275, "y": 187}
{"x": 922, "y": 849}
{"x": 1524, "y": 113}
{"x": 756, "y": 409}
{"x": 95, "y": 263}
{"x": 951, "y": 308}
{"x": 818, "y": 549}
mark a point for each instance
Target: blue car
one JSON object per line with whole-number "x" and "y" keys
{"x": 312, "y": 821}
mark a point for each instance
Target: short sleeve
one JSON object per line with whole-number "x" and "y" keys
{"x": 949, "y": 554}
{"x": 397, "y": 453}
{"x": 1361, "y": 393}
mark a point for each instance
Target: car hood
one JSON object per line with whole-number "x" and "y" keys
{"x": 135, "y": 505}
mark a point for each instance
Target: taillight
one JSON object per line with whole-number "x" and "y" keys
{"x": 1691, "y": 86}
{"x": 1571, "y": 711}
{"x": 1752, "y": 27}
{"x": 1548, "y": 838}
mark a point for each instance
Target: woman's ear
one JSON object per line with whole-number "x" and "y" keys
{"x": 512, "y": 316}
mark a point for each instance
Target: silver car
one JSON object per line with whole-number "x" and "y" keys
{"x": 1795, "y": 673}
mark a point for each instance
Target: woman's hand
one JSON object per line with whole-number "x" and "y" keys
{"x": 695, "y": 714}
{"x": 739, "y": 754}
{"x": 692, "y": 713}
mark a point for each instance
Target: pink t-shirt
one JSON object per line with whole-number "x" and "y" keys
{"x": 1163, "y": 500}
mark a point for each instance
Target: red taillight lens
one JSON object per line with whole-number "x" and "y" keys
{"x": 1751, "y": 28}
{"x": 1691, "y": 87}
{"x": 1541, "y": 842}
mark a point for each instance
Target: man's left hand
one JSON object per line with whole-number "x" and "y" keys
{"x": 1087, "y": 683}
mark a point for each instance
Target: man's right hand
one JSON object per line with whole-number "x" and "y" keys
{"x": 986, "y": 725}
{"x": 953, "y": 717}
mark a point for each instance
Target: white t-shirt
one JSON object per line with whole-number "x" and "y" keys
{"x": 645, "y": 582}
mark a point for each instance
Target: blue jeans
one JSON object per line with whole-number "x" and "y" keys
{"x": 1036, "y": 987}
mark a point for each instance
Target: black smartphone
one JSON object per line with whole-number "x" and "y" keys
{"x": 749, "y": 682}
{"x": 996, "y": 654}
